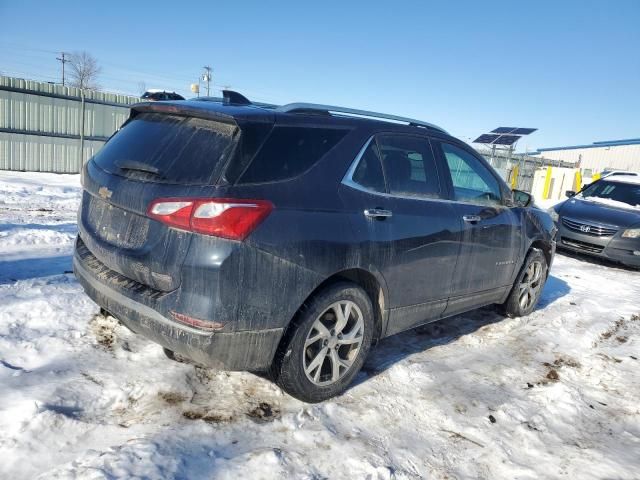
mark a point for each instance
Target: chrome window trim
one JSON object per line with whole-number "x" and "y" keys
{"x": 348, "y": 181}
{"x": 348, "y": 177}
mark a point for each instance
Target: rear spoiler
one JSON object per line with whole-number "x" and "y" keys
{"x": 230, "y": 113}
{"x": 182, "y": 109}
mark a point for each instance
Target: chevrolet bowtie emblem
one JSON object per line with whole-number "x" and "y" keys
{"x": 105, "y": 193}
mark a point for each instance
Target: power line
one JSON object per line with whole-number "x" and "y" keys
{"x": 149, "y": 73}
{"x": 37, "y": 60}
{"x": 128, "y": 83}
{"x": 30, "y": 76}
{"x": 26, "y": 47}
{"x": 119, "y": 75}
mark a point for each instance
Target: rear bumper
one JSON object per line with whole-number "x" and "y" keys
{"x": 133, "y": 306}
{"x": 611, "y": 248}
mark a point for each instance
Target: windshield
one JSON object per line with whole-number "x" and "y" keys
{"x": 616, "y": 194}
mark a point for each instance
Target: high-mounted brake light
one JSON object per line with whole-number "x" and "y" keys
{"x": 221, "y": 217}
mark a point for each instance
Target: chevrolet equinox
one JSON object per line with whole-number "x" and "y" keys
{"x": 290, "y": 239}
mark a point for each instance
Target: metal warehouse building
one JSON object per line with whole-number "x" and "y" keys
{"x": 598, "y": 156}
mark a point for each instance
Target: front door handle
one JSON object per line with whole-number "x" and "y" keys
{"x": 472, "y": 218}
{"x": 377, "y": 213}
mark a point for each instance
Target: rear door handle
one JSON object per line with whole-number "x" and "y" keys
{"x": 472, "y": 218}
{"x": 377, "y": 213}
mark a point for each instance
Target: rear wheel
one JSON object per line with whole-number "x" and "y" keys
{"x": 528, "y": 287}
{"x": 327, "y": 344}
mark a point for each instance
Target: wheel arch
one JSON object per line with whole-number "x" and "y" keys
{"x": 546, "y": 248}
{"x": 372, "y": 284}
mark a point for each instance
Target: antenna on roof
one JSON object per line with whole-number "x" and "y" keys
{"x": 230, "y": 97}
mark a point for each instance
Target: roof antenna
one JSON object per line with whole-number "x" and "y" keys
{"x": 230, "y": 97}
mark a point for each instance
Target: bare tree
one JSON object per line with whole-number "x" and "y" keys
{"x": 142, "y": 87}
{"x": 84, "y": 71}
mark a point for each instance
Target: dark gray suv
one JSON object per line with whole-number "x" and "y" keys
{"x": 292, "y": 238}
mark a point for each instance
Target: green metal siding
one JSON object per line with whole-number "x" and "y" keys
{"x": 40, "y": 124}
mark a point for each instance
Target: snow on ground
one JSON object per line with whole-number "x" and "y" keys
{"x": 37, "y": 223}
{"x": 552, "y": 395}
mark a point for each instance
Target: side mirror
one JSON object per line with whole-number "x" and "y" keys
{"x": 522, "y": 199}
{"x": 569, "y": 193}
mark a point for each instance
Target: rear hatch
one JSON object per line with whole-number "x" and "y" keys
{"x": 154, "y": 155}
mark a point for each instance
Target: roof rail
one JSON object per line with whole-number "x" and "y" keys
{"x": 313, "y": 107}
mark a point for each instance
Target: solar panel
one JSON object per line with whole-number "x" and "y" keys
{"x": 524, "y": 131}
{"x": 506, "y": 140}
{"x": 504, "y": 135}
{"x": 486, "y": 138}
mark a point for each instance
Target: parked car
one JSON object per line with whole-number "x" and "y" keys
{"x": 614, "y": 173}
{"x": 602, "y": 220}
{"x": 160, "y": 95}
{"x": 292, "y": 238}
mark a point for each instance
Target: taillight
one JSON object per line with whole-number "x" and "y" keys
{"x": 220, "y": 217}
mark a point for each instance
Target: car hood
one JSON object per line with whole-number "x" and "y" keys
{"x": 599, "y": 213}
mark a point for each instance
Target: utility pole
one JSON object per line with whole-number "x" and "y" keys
{"x": 63, "y": 60}
{"x": 206, "y": 77}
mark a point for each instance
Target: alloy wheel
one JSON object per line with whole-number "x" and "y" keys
{"x": 333, "y": 343}
{"x": 531, "y": 285}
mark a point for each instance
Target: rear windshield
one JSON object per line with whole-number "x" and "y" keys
{"x": 289, "y": 152}
{"x": 169, "y": 149}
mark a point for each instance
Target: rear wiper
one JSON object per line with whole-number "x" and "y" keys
{"x": 136, "y": 166}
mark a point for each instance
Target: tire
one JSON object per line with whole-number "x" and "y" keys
{"x": 304, "y": 371}
{"x": 515, "y": 306}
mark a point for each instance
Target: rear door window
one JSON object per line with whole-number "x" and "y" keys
{"x": 169, "y": 149}
{"x": 409, "y": 166}
{"x": 289, "y": 152}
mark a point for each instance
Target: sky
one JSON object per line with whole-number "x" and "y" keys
{"x": 569, "y": 68}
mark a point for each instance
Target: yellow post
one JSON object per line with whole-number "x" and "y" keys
{"x": 577, "y": 181}
{"x": 514, "y": 177}
{"x": 547, "y": 184}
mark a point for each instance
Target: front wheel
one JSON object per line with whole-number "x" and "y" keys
{"x": 527, "y": 289}
{"x": 327, "y": 344}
